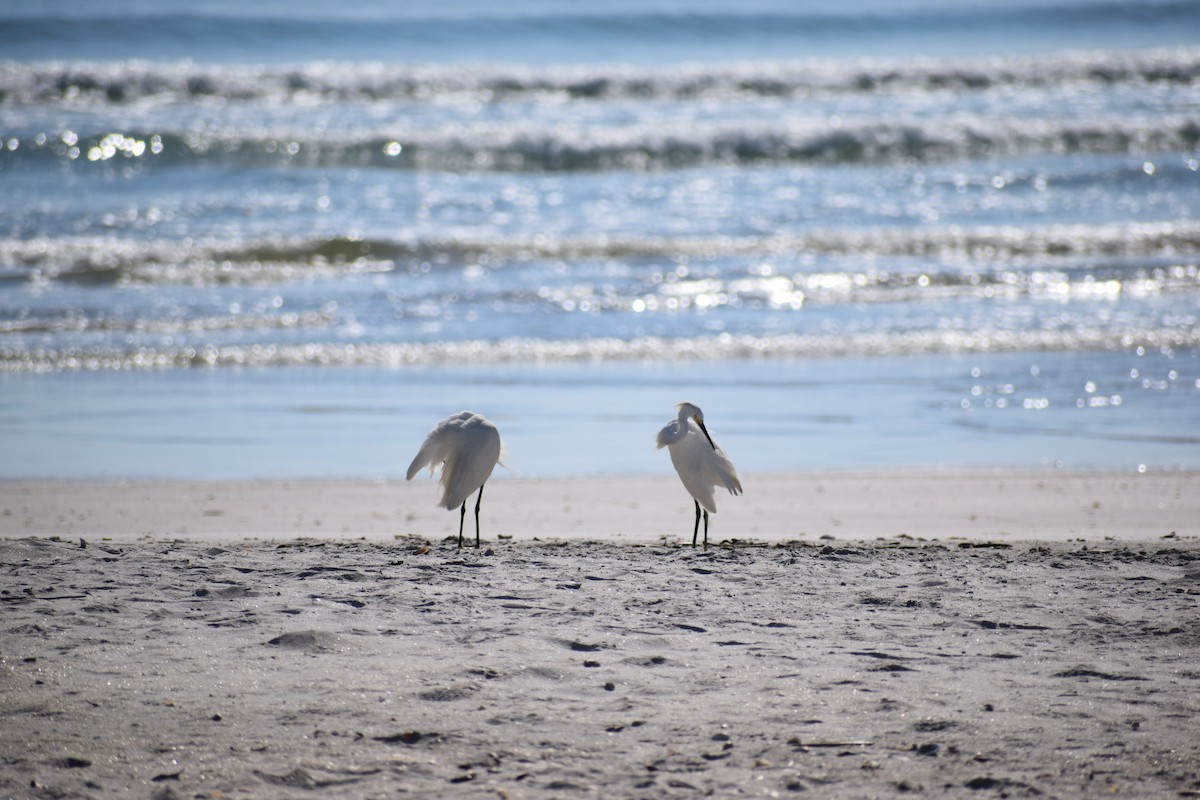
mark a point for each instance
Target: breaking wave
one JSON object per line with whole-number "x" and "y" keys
{"x": 725, "y": 346}
{"x": 96, "y": 260}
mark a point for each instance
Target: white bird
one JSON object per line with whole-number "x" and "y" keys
{"x": 467, "y": 448}
{"x": 701, "y": 464}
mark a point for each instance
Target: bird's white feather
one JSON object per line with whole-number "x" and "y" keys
{"x": 701, "y": 463}
{"x": 467, "y": 448}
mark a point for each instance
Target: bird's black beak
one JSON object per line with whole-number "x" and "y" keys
{"x": 704, "y": 430}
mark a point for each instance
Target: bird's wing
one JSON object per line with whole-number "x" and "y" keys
{"x": 701, "y": 468}
{"x": 668, "y": 435}
{"x": 691, "y": 455}
{"x": 430, "y": 455}
{"x": 724, "y": 472}
{"x": 438, "y": 444}
{"x": 475, "y": 453}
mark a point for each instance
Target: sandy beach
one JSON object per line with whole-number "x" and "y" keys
{"x": 851, "y": 635}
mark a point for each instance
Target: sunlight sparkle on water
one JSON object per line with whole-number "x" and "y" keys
{"x": 116, "y": 144}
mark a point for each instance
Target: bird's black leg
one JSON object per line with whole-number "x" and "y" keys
{"x": 462, "y": 515}
{"x": 478, "y": 501}
{"x": 705, "y": 530}
{"x": 696, "y": 527}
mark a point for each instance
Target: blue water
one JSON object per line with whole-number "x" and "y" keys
{"x": 284, "y": 238}
{"x": 557, "y": 31}
{"x": 1009, "y": 410}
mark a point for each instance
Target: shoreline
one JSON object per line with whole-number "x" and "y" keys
{"x": 922, "y": 504}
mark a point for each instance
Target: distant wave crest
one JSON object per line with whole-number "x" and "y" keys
{"x": 637, "y": 149}
{"x": 117, "y": 83}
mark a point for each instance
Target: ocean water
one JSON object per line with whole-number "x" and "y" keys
{"x": 284, "y": 238}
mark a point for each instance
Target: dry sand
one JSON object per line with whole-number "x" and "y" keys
{"x": 366, "y": 665}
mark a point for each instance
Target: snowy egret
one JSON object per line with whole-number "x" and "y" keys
{"x": 467, "y": 448}
{"x": 701, "y": 464}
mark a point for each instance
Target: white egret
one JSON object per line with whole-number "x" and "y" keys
{"x": 701, "y": 464}
{"x": 467, "y": 448}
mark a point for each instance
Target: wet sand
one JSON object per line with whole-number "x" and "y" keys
{"x": 1011, "y": 506}
{"x": 136, "y": 662}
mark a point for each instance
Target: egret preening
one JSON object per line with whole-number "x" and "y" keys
{"x": 467, "y": 448}
{"x": 701, "y": 464}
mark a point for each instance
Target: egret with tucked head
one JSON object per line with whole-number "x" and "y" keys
{"x": 701, "y": 464}
{"x": 467, "y": 448}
